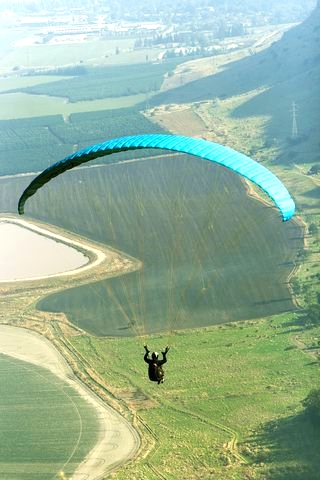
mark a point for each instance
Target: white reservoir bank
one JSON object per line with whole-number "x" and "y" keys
{"x": 27, "y": 252}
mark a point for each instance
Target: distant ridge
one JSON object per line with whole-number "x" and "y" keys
{"x": 288, "y": 71}
{"x": 297, "y": 51}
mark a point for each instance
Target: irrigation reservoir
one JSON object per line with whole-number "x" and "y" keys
{"x": 28, "y": 252}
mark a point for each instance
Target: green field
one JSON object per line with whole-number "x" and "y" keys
{"x": 32, "y": 144}
{"x": 18, "y": 82}
{"x": 39, "y": 106}
{"x": 46, "y": 427}
{"x": 106, "y": 82}
{"x": 230, "y": 407}
{"x": 203, "y": 243}
{"x": 92, "y": 53}
{"x": 43, "y": 121}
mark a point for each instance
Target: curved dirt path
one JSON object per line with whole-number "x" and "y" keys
{"x": 118, "y": 442}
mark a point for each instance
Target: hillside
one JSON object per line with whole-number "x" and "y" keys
{"x": 284, "y": 73}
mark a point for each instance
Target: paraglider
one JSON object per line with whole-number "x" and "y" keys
{"x": 155, "y": 370}
{"x": 207, "y": 150}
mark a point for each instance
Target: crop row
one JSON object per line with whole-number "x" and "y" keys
{"x": 28, "y": 145}
{"x": 105, "y": 82}
{"x": 39, "y": 406}
{"x": 95, "y": 127}
{"x": 27, "y": 137}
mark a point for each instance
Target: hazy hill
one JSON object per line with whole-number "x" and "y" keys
{"x": 285, "y": 11}
{"x": 288, "y": 71}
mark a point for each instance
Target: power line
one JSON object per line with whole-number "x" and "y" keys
{"x": 294, "y": 132}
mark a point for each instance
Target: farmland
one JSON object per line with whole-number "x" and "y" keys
{"x": 38, "y": 441}
{"x": 39, "y": 106}
{"x": 32, "y": 144}
{"x": 106, "y": 82}
{"x": 199, "y": 248}
{"x": 68, "y": 113}
{"x": 97, "y": 52}
{"x": 231, "y": 403}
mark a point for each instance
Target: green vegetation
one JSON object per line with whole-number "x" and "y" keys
{"x": 313, "y": 314}
{"x": 202, "y": 250}
{"x": 230, "y": 406}
{"x": 312, "y": 405}
{"x": 46, "y": 427}
{"x": 250, "y": 136}
{"x": 20, "y": 82}
{"x": 107, "y": 82}
{"x": 23, "y": 105}
{"x": 30, "y": 145}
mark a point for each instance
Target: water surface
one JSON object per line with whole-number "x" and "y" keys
{"x": 26, "y": 254}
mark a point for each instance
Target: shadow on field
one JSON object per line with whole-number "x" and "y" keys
{"x": 314, "y": 193}
{"x": 274, "y": 300}
{"x": 289, "y": 449}
{"x": 298, "y": 321}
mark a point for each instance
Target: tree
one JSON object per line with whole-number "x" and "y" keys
{"x": 314, "y": 170}
{"x": 312, "y": 405}
{"x": 313, "y": 314}
{"x": 313, "y": 229}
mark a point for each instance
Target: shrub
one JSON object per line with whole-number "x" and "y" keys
{"x": 312, "y": 405}
{"x": 313, "y": 314}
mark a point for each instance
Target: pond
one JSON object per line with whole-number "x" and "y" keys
{"x": 34, "y": 253}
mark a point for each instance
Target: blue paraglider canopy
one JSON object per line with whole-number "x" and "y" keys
{"x": 214, "y": 152}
